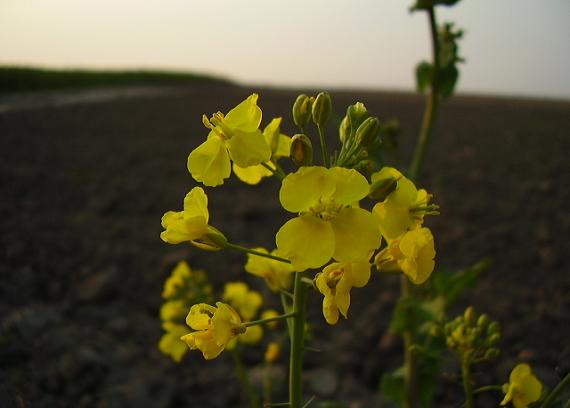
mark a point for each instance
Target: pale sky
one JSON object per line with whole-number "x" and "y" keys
{"x": 516, "y": 47}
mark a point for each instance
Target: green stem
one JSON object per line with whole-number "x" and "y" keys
{"x": 488, "y": 388}
{"x": 567, "y": 404}
{"x": 258, "y": 253}
{"x": 244, "y": 379}
{"x": 431, "y": 106}
{"x": 410, "y": 363}
{"x": 287, "y": 309}
{"x": 276, "y": 172}
{"x": 324, "y": 150}
{"x": 269, "y": 319}
{"x": 556, "y": 392}
{"x": 467, "y": 382}
{"x": 297, "y": 340}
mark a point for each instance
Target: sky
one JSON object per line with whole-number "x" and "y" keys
{"x": 511, "y": 47}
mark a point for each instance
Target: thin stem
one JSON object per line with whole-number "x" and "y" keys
{"x": 324, "y": 150}
{"x": 410, "y": 362}
{"x": 467, "y": 382}
{"x": 556, "y": 392}
{"x": 244, "y": 379}
{"x": 269, "y": 319}
{"x": 258, "y": 253}
{"x": 488, "y": 388}
{"x": 287, "y": 309}
{"x": 297, "y": 340}
{"x": 431, "y": 105}
{"x": 276, "y": 172}
{"x": 279, "y": 169}
{"x": 567, "y": 404}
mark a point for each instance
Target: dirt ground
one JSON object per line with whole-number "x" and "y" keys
{"x": 83, "y": 187}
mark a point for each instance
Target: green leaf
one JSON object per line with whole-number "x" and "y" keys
{"x": 392, "y": 385}
{"x": 447, "y": 80}
{"x": 427, "y": 4}
{"x": 451, "y": 285}
{"x": 424, "y": 76}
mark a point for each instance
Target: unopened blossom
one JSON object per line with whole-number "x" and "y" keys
{"x": 523, "y": 387}
{"x": 176, "y": 280}
{"x": 214, "y": 328}
{"x": 234, "y": 136}
{"x": 412, "y": 253}
{"x": 277, "y": 274}
{"x": 335, "y": 283}
{"x": 191, "y": 224}
{"x": 329, "y": 223}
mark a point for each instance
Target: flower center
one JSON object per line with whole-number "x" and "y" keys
{"x": 326, "y": 210}
{"x": 334, "y": 277}
{"x": 216, "y": 123}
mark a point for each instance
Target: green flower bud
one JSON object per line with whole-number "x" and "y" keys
{"x": 382, "y": 188}
{"x": 302, "y": 110}
{"x": 493, "y": 328}
{"x": 322, "y": 109}
{"x": 492, "y": 353}
{"x": 494, "y": 339}
{"x": 344, "y": 130}
{"x": 301, "y": 150}
{"x": 367, "y": 132}
{"x": 469, "y": 316}
{"x": 483, "y": 321}
{"x": 356, "y": 114}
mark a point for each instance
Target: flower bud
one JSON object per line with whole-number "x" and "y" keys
{"x": 367, "y": 132}
{"x": 492, "y": 353}
{"x": 344, "y": 130}
{"x": 272, "y": 352}
{"x": 483, "y": 321}
{"x": 302, "y": 110}
{"x": 494, "y": 339}
{"x": 301, "y": 150}
{"x": 469, "y": 316}
{"x": 382, "y": 188}
{"x": 493, "y": 328}
{"x": 322, "y": 109}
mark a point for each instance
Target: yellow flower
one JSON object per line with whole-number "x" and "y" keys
{"x": 404, "y": 208}
{"x": 277, "y": 274}
{"x": 252, "y": 335}
{"x": 268, "y": 314}
{"x": 272, "y": 352}
{"x": 236, "y": 136}
{"x": 170, "y": 343}
{"x": 176, "y": 279}
{"x": 215, "y": 328}
{"x": 329, "y": 224}
{"x": 412, "y": 253}
{"x": 246, "y": 302}
{"x": 335, "y": 282}
{"x": 280, "y": 145}
{"x": 173, "y": 310}
{"x": 191, "y": 224}
{"x": 523, "y": 387}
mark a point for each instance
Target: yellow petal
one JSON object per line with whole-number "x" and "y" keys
{"x": 393, "y": 220}
{"x": 171, "y": 344}
{"x": 199, "y": 316}
{"x": 519, "y": 372}
{"x": 252, "y": 174}
{"x": 205, "y": 342}
{"x": 175, "y": 228}
{"x": 248, "y": 149}
{"x": 209, "y": 163}
{"x": 283, "y": 147}
{"x": 386, "y": 172}
{"x": 330, "y": 311}
{"x": 532, "y": 388}
{"x": 304, "y": 188}
{"x": 351, "y": 186}
{"x": 356, "y": 235}
{"x": 252, "y": 335}
{"x": 196, "y": 204}
{"x": 306, "y": 241}
{"x": 246, "y": 116}
{"x": 359, "y": 274}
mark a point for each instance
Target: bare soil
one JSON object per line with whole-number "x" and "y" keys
{"x": 83, "y": 187}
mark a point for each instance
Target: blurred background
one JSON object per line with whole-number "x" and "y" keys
{"x": 86, "y": 174}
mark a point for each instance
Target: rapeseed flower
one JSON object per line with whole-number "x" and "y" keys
{"x": 214, "y": 328}
{"x": 170, "y": 343}
{"x": 412, "y": 253}
{"x": 272, "y": 352}
{"x": 191, "y": 224}
{"x": 523, "y": 387}
{"x": 335, "y": 283}
{"x": 177, "y": 279}
{"x": 269, "y": 314}
{"x": 404, "y": 208}
{"x": 277, "y": 274}
{"x": 234, "y": 136}
{"x": 329, "y": 223}
{"x": 246, "y": 302}
{"x": 280, "y": 145}
{"x": 173, "y": 310}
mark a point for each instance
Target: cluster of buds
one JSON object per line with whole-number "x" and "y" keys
{"x": 473, "y": 337}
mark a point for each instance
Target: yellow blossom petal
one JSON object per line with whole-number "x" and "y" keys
{"x": 356, "y": 235}
{"x": 209, "y": 163}
{"x": 248, "y": 149}
{"x": 330, "y": 310}
{"x": 252, "y": 174}
{"x": 351, "y": 186}
{"x": 170, "y": 343}
{"x": 306, "y": 241}
{"x": 305, "y": 188}
{"x": 196, "y": 204}
{"x": 223, "y": 323}
{"x": 277, "y": 274}
{"x": 245, "y": 116}
{"x": 199, "y": 316}
{"x": 252, "y": 335}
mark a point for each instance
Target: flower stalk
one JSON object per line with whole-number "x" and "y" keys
{"x": 297, "y": 340}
